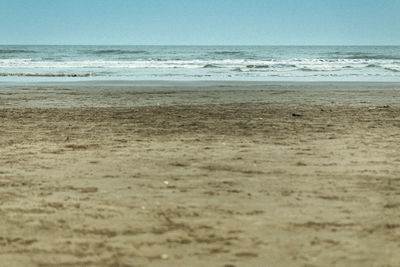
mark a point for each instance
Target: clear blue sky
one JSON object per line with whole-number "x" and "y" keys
{"x": 212, "y": 22}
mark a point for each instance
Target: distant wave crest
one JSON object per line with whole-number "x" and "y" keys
{"x": 227, "y": 52}
{"x": 47, "y": 75}
{"x": 363, "y": 55}
{"x": 16, "y": 51}
{"x": 368, "y": 56}
{"x": 119, "y": 52}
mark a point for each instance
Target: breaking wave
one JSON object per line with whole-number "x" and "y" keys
{"x": 393, "y": 69}
{"x": 210, "y": 66}
{"x": 257, "y": 66}
{"x": 148, "y": 62}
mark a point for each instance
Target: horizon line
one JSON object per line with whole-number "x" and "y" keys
{"x": 200, "y": 44}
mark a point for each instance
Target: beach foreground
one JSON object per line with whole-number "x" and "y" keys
{"x": 195, "y": 175}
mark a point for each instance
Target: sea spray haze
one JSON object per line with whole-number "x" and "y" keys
{"x": 263, "y": 63}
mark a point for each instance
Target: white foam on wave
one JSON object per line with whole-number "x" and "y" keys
{"x": 27, "y": 63}
{"x": 261, "y": 65}
{"x": 296, "y": 67}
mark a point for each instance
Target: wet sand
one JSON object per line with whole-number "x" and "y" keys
{"x": 200, "y": 174}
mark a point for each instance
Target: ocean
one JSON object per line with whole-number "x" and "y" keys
{"x": 248, "y": 63}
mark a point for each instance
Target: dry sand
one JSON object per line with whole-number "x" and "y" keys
{"x": 200, "y": 174}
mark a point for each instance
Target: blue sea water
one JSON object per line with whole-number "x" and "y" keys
{"x": 257, "y": 63}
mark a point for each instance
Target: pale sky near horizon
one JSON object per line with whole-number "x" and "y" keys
{"x": 200, "y": 22}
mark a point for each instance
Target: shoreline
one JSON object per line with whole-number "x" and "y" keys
{"x": 151, "y": 93}
{"x": 189, "y": 82}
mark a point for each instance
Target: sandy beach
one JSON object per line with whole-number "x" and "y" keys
{"x": 199, "y": 174}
